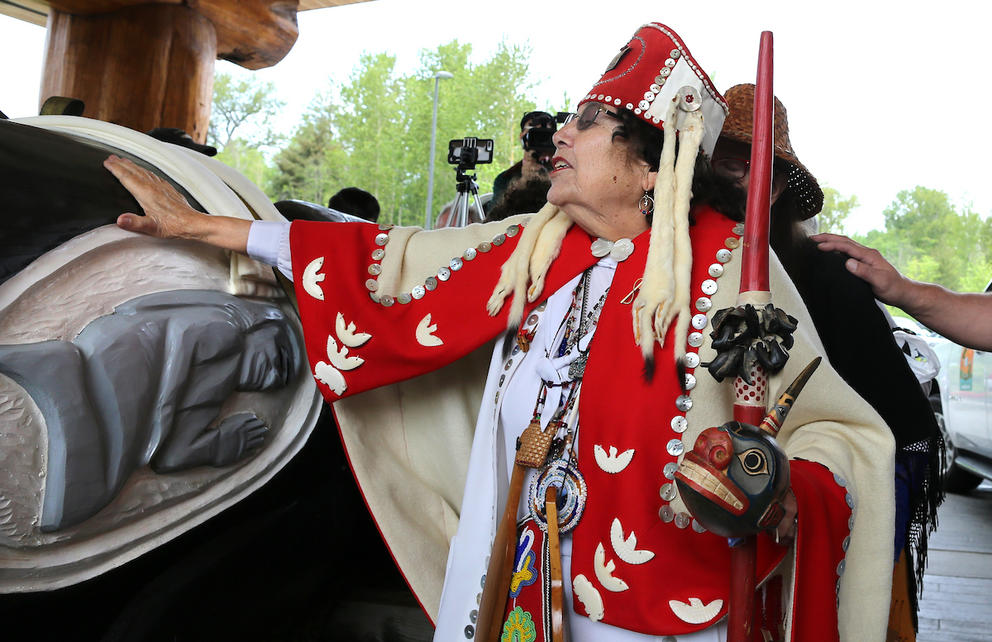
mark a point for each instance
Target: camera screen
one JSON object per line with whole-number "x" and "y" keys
{"x": 470, "y": 151}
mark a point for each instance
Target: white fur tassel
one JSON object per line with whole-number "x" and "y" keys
{"x": 655, "y": 296}
{"x": 690, "y": 137}
{"x": 534, "y": 243}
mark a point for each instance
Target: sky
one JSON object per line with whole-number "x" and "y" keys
{"x": 882, "y": 96}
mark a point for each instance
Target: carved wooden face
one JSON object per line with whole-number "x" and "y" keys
{"x": 734, "y": 479}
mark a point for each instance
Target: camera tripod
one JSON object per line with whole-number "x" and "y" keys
{"x": 467, "y": 188}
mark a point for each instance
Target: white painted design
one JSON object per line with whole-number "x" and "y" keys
{"x": 425, "y": 333}
{"x": 604, "y": 572}
{"x": 330, "y": 377}
{"x": 339, "y": 356}
{"x": 612, "y": 463}
{"x": 590, "y": 598}
{"x": 312, "y": 278}
{"x": 347, "y": 334}
{"x": 695, "y": 612}
{"x": 626, "y": 548}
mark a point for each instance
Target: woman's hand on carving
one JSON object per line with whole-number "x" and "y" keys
{"x": 167, "y": 214}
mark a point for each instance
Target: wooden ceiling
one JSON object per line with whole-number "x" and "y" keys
{"x": 36, "y": 11}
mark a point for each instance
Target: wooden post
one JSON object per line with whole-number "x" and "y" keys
{"x": 141, "y": 67}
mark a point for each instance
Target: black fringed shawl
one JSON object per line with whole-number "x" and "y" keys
{"x": 860, "y": 346}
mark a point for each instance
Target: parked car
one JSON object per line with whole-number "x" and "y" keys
{"x": 962, "y": 401}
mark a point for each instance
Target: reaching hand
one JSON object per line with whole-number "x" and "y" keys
{"x": 167, "y": 214}
{"x": 886, "y": 282}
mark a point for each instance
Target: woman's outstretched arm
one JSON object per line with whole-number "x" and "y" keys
{"x": 168, "y": 215}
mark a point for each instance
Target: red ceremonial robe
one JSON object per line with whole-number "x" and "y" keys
{"x": 358, "y": 338}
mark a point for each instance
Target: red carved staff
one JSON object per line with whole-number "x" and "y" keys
{"x": 749, "y": 402}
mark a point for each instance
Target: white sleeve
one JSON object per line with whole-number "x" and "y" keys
{"x": 268, "y": 242}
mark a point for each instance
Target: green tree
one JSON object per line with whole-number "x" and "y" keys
{"x": 305, "y": 168}
{"x": 374, "y": 131}
{"x": 244, "y": 106}
{"x": 836, "y": 209}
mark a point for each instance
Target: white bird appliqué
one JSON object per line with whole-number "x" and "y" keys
{"x": 312, "y": 278}
{"x": 695, "y": 612}
{"x": 612, "y": 463}
{"x": 604, "y": 572}
{"x": 626, "y": 548}
{"x": 330, "y": 377}
{"x": 589, "y": 596}
{"x": 339, "y": 356}
{"x": 347, "y": 334}
{"x": 425, "y": 333}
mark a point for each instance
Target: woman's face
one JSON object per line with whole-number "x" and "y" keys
{"x": 595, "y": 179}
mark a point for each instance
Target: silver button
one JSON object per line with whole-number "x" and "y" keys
{"x": 499, "y": 239}
{"x": 699, "y": 528}
{"x": 665, "y": 72}
{"x": 695, "y": 339}
{"x": 404, "y": 298}
{"x": 378, "y": 253}
{"x": 659, "y": 79}
{"x": 485, "y": 246}
{"x": 850, "y": 522}
{"x": 675, "y": 447}
{"x": 669, "y": 470}
{"x": 666, "y": 513}
{"x": 644, "y": 105}
{"x": 690, "y": 381}
{"x": 418, "y": 292}
{"x": 716, "y": 270}
{"x": 683, "y": 519}
{"x": 683, "y": 403}
{"x": 649, "y": 95}
{"x": 381, "y": 239}
{"x": 739, "y": 229}
{"x": 709, "y": 287}
{"x": 846, "y": 543}
{"x": 387, "y": 301}
{"x": 532, "y": 319}
{"x": 375, "y": 269}
{"x": 849, "y": 498}
{"x": 679, "y": 424}
{"x": 840, "y": 481}
{"x": 372, "y": 285}
{"x": 669, "y": 63}
{"x": 691, "y": 359}
{"x": 699, "y": 321}
{"x": 455, "y": 264}
{"x": 668, "y": 492}
{"x": 674, "y": 53}
{"x": 840, "y": 567}
{"x": 732, "y": 242}
{"x": 374, "y": 296}
{"x": 431, "y": 283}
{"x": 473, "y": 616}
{"x": 444, "y": 274}
{"x": 723, "y": 255}
{"x": 469, "y": 632}
{"x": 704, "y": 303}
{"x": 469, "y": 254}
{"x": 655, "y": 88}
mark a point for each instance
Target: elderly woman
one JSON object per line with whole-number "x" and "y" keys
{"x": 591, "y": 303}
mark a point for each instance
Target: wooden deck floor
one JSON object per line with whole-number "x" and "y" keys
{"x": 957, "y": 595}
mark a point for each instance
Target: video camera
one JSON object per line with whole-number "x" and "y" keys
{"x": 538, "y": 137}
{"x": 466, "y": 153}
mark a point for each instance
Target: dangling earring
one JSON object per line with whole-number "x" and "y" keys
{"x": 647, "y": 204}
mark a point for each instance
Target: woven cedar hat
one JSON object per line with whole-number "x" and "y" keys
{"x": 803, "y": 187}
{"x": 656, "y": 78}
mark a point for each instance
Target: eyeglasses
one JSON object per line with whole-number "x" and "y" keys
{"x": 585, "y": 118}
{"x": 733, "y": 168}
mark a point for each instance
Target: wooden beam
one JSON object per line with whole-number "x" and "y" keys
{"x": 141, "y": 66}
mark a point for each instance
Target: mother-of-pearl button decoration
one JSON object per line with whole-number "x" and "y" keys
{"x": 683, "y": 403}
{"x": 431, "y": 283}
